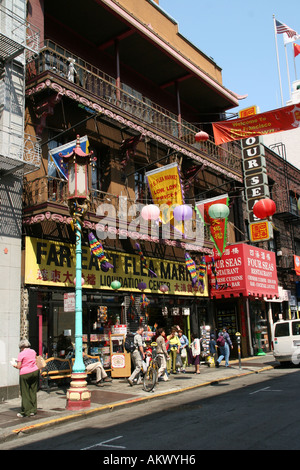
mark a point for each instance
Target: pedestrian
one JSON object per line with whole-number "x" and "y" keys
{"x": 97, "y": 367}
{"x": 29, "y": 379}
{"x": 196, "y": 349}
{"x": 184, "y": 342}
{"x": 162, "y": 354}
{"x": 137, "y": 357}
{"x": 174, "y": 348}
{"x": 213, "y": 348}
{"x": 224, "y": 344}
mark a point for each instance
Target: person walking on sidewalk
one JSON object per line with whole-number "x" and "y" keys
{"x": 196, "y": 349}
{"x": 173, "y": 350}
{"x": 29, "y": 379}
{"x": 184, "y": 342}
{"x": 224, "y": 344}
{"x": 92, "y": 366}
{"x": 137, "y": 357}
{"x": 162, "y": 354}
{"x": 213, "y": 349}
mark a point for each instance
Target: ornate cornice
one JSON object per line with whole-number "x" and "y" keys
{"x": 59, "y": 218}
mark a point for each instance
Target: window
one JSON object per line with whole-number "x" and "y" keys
{"x": 296, "y": 328}
{"x": 139, "y": 186}
{"x": 282, "y": 329}
{"x": 294, "y": 203}
{"x": 297, "y": 247}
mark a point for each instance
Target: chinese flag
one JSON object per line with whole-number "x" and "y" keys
{"x": 296, "y": 49}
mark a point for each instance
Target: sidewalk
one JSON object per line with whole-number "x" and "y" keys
{"x": 116, "y": 394}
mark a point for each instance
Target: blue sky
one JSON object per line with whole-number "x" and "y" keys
{"x": 240, "y": 37}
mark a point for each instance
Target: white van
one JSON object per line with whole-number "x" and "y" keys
{"x": 286, "y": 341}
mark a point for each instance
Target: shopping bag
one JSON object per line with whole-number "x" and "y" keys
{"x": 178, "y": 361}
{"x": 183, "y": 353}
{"x": 40, "y": 362}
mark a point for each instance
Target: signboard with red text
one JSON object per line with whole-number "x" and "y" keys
{"x": 244, "y": 270}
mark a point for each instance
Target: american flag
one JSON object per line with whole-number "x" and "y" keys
{"x": 283, "y": 28}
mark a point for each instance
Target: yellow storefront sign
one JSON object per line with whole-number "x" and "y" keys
{"x": 52, "y": 263}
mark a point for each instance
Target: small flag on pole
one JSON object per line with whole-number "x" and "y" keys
{"x": 296, "y": 49}
{"x": 283, "y": 28}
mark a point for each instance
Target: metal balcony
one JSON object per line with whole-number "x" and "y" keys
{"x": 74, "y": 74}
{"x": 286, "y": 206}
{"x": 16, "y": 35}
{"x": 19, "y": 153}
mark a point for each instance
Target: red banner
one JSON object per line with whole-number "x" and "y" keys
{"x": 218, "y": 227}
{"x": 297, "y": 264}
{"x": 244, "y": 270}
{"x": 282, "y": 119}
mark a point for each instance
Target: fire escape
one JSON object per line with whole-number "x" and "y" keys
{"x": 19, "y": 41}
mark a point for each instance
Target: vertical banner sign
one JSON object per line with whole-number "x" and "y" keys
{"x": 218, "y": 227}
{"x": 166, "y": 190}
{"x": 256, "y": 186}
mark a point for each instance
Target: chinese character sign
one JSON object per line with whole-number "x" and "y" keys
{"x": 245, "y": 270}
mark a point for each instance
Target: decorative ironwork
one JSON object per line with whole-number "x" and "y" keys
{"x": 107, "y": 98}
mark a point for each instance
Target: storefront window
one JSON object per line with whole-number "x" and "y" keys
{"x": 259, "y": 327}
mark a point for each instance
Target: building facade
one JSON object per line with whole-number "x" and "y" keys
{"x": 139, "y": 91}
{"x": 19, "y": 155}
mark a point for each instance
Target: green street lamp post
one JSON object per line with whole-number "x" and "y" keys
{"x": 78, "y": 395}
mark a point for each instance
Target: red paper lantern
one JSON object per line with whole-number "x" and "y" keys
{"x": 264, "y": 208}
{"x": 201, "y": 136}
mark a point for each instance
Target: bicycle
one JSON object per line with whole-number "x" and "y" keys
{"x": 151, "y": 376}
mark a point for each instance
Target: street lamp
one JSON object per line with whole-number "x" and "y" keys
{"x": 78, "y": 395}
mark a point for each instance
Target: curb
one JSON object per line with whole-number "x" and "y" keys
{"x": 15, "y": 433}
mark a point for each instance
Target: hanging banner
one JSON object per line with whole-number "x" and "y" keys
{"x": 297, "y": 264}
{"x": 218, "y": 227}
{"x": 165, "y": 187}
{"x": 65, "y": 149}
{"x": 166, "y": 191}
{"x": 282, "y": 119}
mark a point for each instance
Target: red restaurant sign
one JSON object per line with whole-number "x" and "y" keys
{"x": 244, "y": 270}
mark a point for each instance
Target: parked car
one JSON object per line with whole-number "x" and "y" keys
{"x": 286, "y": 341}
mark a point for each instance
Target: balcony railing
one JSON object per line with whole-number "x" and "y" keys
{"x": 17, "y": 34}
{"x": 94, "y": 81}
{"x": 19, "y": 153}
{"x": 54, "y": 191}
{"x": 286, "y": 206}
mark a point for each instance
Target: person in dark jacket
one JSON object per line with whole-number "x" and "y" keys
{"x": 225, "y": 350}
{"x": 213, "y": 349}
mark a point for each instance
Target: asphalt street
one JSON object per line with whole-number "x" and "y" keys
{"x": 252, "y": 412}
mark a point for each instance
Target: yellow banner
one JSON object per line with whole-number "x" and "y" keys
{"x": 52, "y": 263}
{"x": 165, "y": 188}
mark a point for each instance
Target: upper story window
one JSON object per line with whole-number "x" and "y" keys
{"x": 294, "y": 198}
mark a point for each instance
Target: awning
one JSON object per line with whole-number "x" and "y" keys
{"x": 244, "y": 270}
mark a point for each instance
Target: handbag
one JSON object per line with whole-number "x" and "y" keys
{"x": 40, "y": 362}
